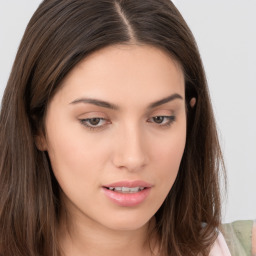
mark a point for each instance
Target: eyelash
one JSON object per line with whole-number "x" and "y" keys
{"x": 167, "y": 123}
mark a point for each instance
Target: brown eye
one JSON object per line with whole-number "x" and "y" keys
{"x": 162, "y": 121}
{"x": 158, "y": 119}
{"x": 94, "y": 121}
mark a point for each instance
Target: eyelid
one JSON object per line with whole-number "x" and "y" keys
{"x": 162, "y": 112}
{"x": 92, "y": 114}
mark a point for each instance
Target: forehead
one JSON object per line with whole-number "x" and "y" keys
{"x": 121, "y": 71}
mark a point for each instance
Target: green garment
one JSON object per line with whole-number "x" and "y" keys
{"x": 238, "y": 236}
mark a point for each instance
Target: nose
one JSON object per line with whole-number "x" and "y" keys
{"x": 130, "y": 150}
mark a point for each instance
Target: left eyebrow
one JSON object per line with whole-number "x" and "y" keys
{"x": 165, "y": 100}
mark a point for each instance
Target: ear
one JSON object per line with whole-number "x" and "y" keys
{"x": 192, "y": 102}
{"x": 40, "y": 142}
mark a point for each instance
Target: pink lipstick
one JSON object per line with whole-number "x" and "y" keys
{"x": 127, "y": 193}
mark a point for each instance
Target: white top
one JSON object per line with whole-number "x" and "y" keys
{"x": 220, "y": 247}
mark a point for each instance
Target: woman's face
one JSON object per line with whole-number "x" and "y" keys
{"x": 115, "y": 135}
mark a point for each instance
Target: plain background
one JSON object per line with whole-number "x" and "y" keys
{"x": 226, "y": 35}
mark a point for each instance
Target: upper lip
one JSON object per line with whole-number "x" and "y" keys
{"x": 129, "y": 184}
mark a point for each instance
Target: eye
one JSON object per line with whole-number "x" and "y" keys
{"x": 162, "y": 120}
{"x": 94, "y": 123}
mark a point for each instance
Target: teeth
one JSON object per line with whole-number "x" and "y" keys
{"x": 126, "y": 189}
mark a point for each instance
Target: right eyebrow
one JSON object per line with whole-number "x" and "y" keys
{"x": 96, "y": 102}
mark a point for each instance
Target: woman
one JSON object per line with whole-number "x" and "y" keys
{"x": 107, "y": 134}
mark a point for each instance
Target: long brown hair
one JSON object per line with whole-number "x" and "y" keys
{"x": 59, "y": 35}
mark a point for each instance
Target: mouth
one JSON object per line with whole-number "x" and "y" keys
{"x": 126, "y": 190}
{"x": 127, "y": 193}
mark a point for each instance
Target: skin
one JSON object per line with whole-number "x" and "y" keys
{"x": 129, "y": 143}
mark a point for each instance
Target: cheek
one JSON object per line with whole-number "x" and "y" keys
{"x": 75, "y": 155}
{"x": 169, "y": 162}
{"x": 75, "y": 167}
{"x": 66, "y": 151}
{"x": 167, "y": 156}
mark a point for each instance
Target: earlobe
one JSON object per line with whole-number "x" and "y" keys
{"x": 192, "y": 102}
{"x": 40, "y": 142}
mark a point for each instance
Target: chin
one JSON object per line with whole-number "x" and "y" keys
{"x": 127, "y": 222}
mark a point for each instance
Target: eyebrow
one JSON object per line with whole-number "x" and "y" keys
{"x": 165, "y": 100}
{"x": 100, "y": 103}
{"x": 105, "y": 104}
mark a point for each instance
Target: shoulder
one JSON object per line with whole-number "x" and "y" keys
{"x": 220, "y": 248}
{"x": 254, "y": 238}
{"x": 240, "y": 236}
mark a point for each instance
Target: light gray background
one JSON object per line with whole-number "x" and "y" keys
{"x": 226, "y": 35}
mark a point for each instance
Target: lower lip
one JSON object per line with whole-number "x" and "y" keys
{"x": 127, "y": 199}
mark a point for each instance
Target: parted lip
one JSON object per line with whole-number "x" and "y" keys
{"x": 129, "y": 184}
